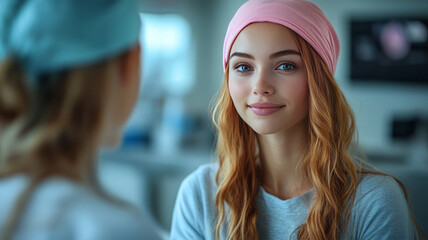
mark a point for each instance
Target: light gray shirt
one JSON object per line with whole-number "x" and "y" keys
{"x": 61, "y": 210}
{"x": 380, "y": 211}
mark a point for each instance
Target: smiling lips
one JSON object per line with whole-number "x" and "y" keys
{"x": 264, "y": 109}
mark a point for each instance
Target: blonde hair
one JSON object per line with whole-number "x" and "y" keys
{"x": 50, "y": 126}
{"x": 328, "y": 164}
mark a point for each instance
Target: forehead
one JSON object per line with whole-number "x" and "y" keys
{"x": 264, "y": 37}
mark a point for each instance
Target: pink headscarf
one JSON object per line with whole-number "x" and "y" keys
{"x": 301, "y": 16}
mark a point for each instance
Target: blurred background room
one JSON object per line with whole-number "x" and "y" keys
{"x": 382, "y": 70}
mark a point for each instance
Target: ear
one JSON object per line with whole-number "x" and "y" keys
{"x": 127, "y": 64}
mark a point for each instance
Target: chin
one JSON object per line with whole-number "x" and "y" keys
{"x": 265, "y": 130}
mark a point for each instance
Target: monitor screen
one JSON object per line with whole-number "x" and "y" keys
{"x": 389, "y": 50}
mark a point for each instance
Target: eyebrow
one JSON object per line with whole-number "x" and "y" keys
{"x": 284, "y": 52}
{"x": 243, "y": 55}
{"x": 273, "y": 55}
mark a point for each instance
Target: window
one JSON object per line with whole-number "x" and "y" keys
{"x": 167, "y": 72}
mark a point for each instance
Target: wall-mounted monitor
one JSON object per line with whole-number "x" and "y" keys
{"x": 393, "y": 49}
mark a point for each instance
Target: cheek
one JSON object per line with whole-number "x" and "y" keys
{"x": 298, "y": 91}
{"x": 302, "y": 90}
{"x": 238, "y": 91}
{"x": 303, "y": 97}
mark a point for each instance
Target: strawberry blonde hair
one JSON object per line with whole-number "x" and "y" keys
{"x": 328, "y": 162}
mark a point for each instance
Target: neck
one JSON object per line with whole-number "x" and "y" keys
{"x": 281, "y": 159}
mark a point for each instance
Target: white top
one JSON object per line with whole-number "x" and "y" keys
{"x": 61, "y": 209}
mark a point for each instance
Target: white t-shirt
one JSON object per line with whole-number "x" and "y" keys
{"x": 61, "y": 209}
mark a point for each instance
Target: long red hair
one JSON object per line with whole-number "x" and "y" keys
{"x": 328, "y": 163}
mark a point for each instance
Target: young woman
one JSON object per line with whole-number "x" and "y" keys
{"x": 286, "y": 169}
{"x": 69, "y": 78}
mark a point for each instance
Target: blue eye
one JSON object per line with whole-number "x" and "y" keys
{"x": 243, "y": 68}
{"x": 286, "y": 67}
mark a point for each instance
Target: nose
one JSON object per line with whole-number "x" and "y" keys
{"x": 262, "y": 87}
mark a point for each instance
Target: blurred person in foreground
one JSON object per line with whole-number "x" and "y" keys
{"x": 69, "y": 79}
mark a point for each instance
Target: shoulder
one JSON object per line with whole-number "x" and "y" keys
{"x": 199, "y": 187}
{"x": 103, "y": 218}
{"x": 381, "y": 189}
{"x": 201, "y": 179}
{"x": 380, "y": 209}
{"x": 70, "y": 208}
{"x": 194, "y": 207}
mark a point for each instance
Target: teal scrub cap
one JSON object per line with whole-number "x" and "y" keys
{"x": 50, "y": 35}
